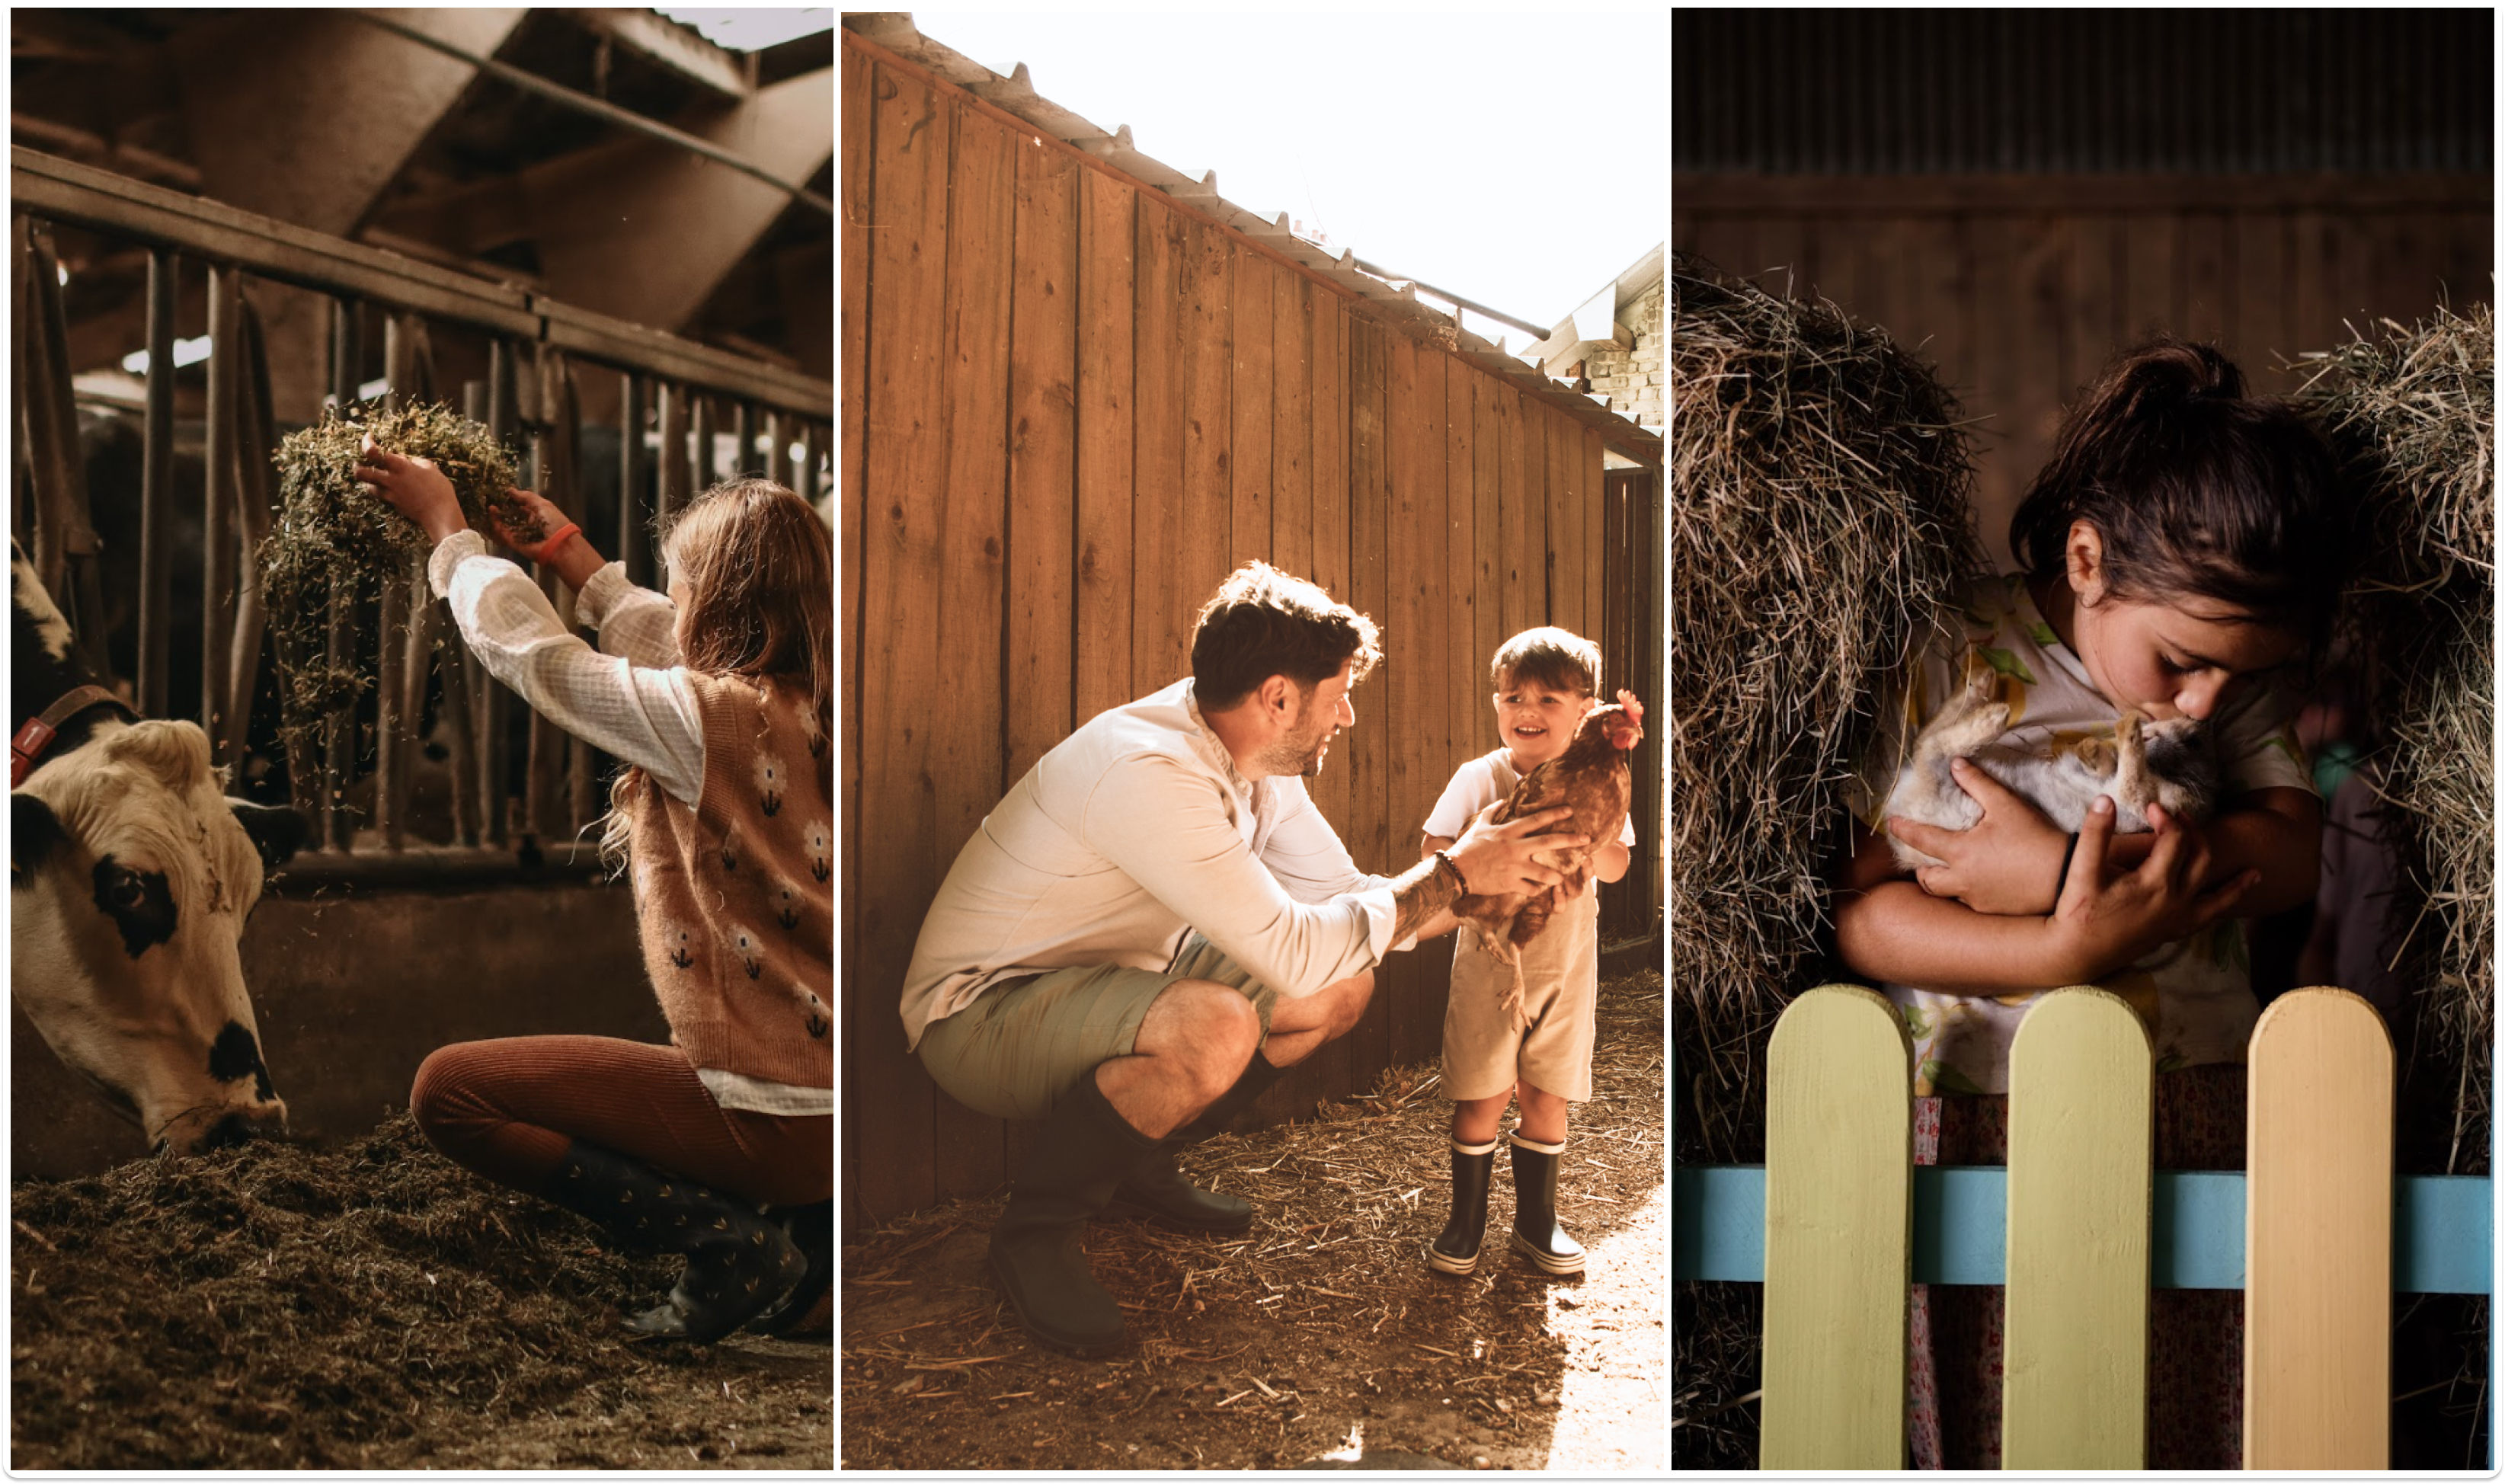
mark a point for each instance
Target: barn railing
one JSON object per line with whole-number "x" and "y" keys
{"x": 679, "y": 396}
{"x": 2316, "y": 1231}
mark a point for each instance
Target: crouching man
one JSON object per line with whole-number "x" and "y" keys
{"x": 1156, "y": 922}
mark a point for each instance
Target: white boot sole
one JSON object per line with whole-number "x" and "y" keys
{"x": 1458, "y": 1267}
{"x": 1548, "y": 1261}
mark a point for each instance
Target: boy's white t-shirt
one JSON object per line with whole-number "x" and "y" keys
{"x": 1481, "y": 782}
{"x": 2195, "y": 995}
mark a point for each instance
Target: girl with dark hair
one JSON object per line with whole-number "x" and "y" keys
{"x": 719, "y": 697}
{"x": 2183, "y": 554}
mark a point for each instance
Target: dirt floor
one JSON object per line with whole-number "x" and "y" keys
{"x": 372, "y": 1307}
{"x": 1321, "y": 1339}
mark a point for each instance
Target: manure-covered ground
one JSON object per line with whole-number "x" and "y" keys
{"x": 1318, "y": 1339}
{"x": 376, "y": 1306}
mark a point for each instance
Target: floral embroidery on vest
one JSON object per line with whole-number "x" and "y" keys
{"x": 769, "y": 784}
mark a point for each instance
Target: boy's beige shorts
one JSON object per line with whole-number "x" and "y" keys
{"x": 1561, "y": 974}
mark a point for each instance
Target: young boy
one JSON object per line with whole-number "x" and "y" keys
{"x": 1547, "y": 680}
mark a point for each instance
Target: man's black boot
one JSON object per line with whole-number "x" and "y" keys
{"x": 738, "y": 1262}
{"x": 1084, "y": 1149}
{"x": 1157, "y": 1190}
{"x": 1535, "y": 1232}
{"x": 1455, "y": 1250}
{"x": 1249, "y": 1084}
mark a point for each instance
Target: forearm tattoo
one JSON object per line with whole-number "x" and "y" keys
{"x": 1421, "y": 894}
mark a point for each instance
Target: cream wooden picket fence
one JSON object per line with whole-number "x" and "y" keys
{"x": 2316, "y": 1231}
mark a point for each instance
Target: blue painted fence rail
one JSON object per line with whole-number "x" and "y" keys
{"x": 2442, "y": 1227}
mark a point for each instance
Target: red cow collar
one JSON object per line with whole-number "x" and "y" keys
{"x": 26, "y": 748}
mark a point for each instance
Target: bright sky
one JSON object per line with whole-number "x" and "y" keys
{"x": 740, "y": 30}
{"x": 1518, "y": 159}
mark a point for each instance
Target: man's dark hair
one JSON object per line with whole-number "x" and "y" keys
{"x": 1263, "y": 622}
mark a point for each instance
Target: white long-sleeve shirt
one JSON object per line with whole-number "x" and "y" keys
{"x": 1135, "y": 831}
{"x": 629, "y": 698}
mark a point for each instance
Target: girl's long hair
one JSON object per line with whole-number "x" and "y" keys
{"x": 2197, "y": 490}
{"x": 756, "y": 568}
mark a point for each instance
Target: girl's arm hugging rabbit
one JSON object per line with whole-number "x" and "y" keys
{"x": 2184, "y": 551}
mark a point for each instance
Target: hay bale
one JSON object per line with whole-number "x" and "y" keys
{"x": 1820, "y": 511}
{"x": 2412, "y": 411}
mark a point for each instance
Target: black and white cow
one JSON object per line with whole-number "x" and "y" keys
{"x": 130, "y": 875}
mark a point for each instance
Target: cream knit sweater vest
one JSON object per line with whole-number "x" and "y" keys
{"x": 734, "y": 897}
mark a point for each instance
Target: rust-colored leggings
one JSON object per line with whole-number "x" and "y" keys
{"x": 506, "y": 1108}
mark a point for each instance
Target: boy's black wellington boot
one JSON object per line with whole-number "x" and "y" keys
{"x": 1084, "y": 1149}
{"x": 1455, "y": 1250}
{"x": 1535, "y": 1232}
{"x": 804, "y": 1309}
{"x": 739, "y": 1261}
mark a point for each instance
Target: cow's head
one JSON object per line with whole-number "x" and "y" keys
{"x": 129, "y": 878}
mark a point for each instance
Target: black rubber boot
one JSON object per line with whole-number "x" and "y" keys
{"x": 1249, "y": 1084}
{"x": 811, "y": 1229}
{"x": 1535, "y": 1232}
{"x": 1157, "y": 1192}
{"x": 1457, "y": 1248}
{"x": 738, "y": 1262}
{"x": 1084, "y": 1150}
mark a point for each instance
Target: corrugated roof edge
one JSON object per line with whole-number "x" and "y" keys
{"x": 1397, "y": 306}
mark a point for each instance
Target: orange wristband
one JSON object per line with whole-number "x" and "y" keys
{"x": 551, "y": 541}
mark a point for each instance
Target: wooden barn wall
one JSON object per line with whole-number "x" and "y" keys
{"x": 2020, "y": 287}
{"x": 1070, "y": 408}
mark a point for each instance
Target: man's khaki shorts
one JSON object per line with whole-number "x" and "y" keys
{"x": 1484, "y": 1054}
{"x": 1024, "y": 1042}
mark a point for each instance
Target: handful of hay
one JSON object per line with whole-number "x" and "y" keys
{"x": 335, "y": 542}
{"x": 2413, "y": 416}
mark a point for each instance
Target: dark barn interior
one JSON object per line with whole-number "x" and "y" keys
{"x": 610, "y": 240}
{"x": 2021, "y": 195}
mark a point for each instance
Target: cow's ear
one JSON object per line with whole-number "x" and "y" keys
{"x": 34, "y": 830}
{"x": 276, "y": 832}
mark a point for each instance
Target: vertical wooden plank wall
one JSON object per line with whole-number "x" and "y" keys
{"x": 1071, "y": 407}
{"x": 2019, "y": 289}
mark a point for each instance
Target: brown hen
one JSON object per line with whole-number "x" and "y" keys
{"x": 1591, "y": 777}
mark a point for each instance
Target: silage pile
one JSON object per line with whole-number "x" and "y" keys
{"x": 2412, "y": 411}
{"x": 278, "y": 1307}
{"x": 1820, "y": 509}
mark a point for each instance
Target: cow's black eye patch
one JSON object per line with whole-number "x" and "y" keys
{"x": 235, "y": 1055}
{"x": 33, "y": 830}
{"x": 139, "y": 902}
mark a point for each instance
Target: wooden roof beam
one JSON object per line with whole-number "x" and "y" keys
{"x": 655, "y": 36}
{"x": 643, "y": 230}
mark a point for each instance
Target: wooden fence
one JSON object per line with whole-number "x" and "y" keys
{"x": 2317, "y": 1232}
{"x": 2019, "y": 287}
{"x": 1072, "y": 404}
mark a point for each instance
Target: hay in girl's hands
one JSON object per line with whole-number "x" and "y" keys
{"x": 335, "y": 541}
{"x": 329, "y": 524}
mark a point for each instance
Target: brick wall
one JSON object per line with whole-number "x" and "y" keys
{"x": 1632, "y": 378}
